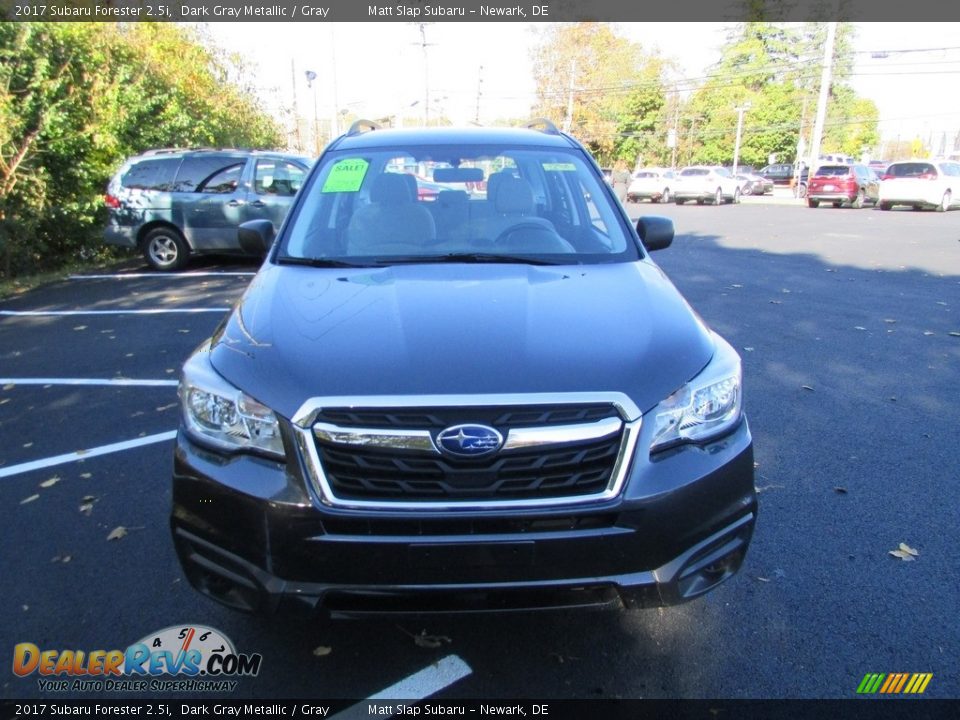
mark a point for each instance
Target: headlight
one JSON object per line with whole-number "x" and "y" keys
{"x": 217, "y": 413}
{"x": 704, "y": 408}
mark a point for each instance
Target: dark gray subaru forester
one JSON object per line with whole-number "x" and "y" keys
{"x": 458, "y": 382}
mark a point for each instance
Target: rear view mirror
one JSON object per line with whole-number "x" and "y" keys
{"x": 655, "y": 231}
{"x": 256, "y": 236}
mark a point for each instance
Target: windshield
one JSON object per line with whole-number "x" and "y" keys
{"x": 462, "y": 203}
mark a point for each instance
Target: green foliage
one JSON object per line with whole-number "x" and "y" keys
{"x": 78, "y": 98}
{"x": 775, "y": 70}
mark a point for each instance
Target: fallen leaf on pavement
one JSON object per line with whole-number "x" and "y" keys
{"x": 51, "y": 482}
{"x": 117, "y": 533}
{"x": 840, "y": 490}
{"x": 86, "y": 476}
{"x": 859, "y": 327}
{"x": 905, "y": 553}
{"x": 907, "y": 549}
{"x": 322, "y": 650}
{"x": 29, "y": 499}
{"x": 806, "y": 387}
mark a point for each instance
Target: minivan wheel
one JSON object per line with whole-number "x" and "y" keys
{"x": 945, "y": 202}
{"x": 165, "y": 249}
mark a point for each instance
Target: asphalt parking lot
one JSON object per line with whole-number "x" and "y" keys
{"x": 848, "y": 323}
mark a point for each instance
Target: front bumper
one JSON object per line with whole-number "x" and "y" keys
{"x": 251, "y": 534}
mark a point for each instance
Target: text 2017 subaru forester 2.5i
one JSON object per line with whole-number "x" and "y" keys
{"x": 488, "y": 399}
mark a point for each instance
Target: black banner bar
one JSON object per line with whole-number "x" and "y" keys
{"x": 854, "y": 709}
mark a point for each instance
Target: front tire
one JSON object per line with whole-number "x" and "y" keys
{"x": 718, "y": 197}
{"x": 666, "y": 195}
{"x": 678, "y": 201}
{"x": 886, "y": 206}
{"x": 165, "y": 249}
{"x": 813, "y": 203}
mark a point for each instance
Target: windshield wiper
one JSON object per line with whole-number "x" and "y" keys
{"x": 472, "y": 257}
{"x": 318, "y": 262}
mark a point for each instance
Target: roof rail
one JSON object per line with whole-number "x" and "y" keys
{"x": 358, "y": 127}
{"x": 164, "y": 151}
{"x": 548, "y": 126}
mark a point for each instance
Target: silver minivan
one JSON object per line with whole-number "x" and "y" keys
{"x": 172, "y": 204}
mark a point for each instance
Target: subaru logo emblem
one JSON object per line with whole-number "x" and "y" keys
{"x": 469, "y": 440}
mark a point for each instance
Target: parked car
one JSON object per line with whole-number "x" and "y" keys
{"x": 419, "y": 408}
{"x": 753, "y": 184}
{"x": 651, "y": 184}
{"x": 786, "y": 174}
{"x": 921, "y": 184}
{"x": 704, "y": 183}
{"x": 879, "y": 167}
{"x": 855, "y": 185}
{"x": 172, "y": 204}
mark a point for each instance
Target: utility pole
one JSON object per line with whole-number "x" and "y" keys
{"x": 336, "y": 101}
{"x": 476, "y": 117}
{"x": 296, "y": 112}
{"x": 426, "y": 72}
{"x": 825, "y": 79}
{"x": 676, "y": 127}
{"x": 311, "y": 76}
{"x": 736, "y": 148}
{"x": 568, "y": 121}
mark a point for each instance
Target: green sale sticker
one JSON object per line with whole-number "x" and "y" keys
{"x": 346, "y": 175}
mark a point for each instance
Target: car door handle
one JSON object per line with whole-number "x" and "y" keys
{"x": 258, "y": 204}
{"x": 235, "y": 203}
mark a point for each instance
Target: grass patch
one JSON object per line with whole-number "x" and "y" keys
{"x": 24, "y": 283}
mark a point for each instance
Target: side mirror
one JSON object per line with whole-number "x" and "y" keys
{"x": 655, "y": 231}
{"x": 256, "y": 236}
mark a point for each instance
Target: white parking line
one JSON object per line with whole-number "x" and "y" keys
{"x": 155, "y": 311}
{"x": 84, "y": 454}
{"x": 418, "y": 686}
{"x": 88, "y": 381}
{"x": 170, "y": 276}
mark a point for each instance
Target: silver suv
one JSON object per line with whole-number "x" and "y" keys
{"x": 174, "y": 203}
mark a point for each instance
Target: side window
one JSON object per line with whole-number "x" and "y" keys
{"x": 151, "y": 174}
{"x": 222, "y": 181}
{"x": 277, "y": 177}
{"x": 197, "y": 169}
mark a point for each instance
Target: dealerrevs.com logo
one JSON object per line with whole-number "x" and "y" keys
{"x": 180, "y": 658}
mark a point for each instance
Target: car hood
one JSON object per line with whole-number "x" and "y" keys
{"x": 301, "y": 333}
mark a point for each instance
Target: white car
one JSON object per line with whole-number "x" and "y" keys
{"x": 706, "y": 183}
{"x": 921, "y": 183}
{"x": 651, "y": 184}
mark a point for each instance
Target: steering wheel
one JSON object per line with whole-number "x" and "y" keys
{"x": 556, "y": 243}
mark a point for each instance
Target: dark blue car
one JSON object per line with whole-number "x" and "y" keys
{"x": 490, "y": 400}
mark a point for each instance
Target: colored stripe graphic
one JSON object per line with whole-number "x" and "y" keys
{"x": 894, "y": 683}
{"x": 870, "y": 683}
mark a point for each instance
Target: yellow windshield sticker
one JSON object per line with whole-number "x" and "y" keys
{"x": 346, "y": 175}
{"x": 559, "y": 167}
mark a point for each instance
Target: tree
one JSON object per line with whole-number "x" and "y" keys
{"x": 609, "y": 79}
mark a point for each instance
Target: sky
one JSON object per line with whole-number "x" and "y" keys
{"x": 377, "y": 69}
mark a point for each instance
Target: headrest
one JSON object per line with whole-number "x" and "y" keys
{"x": 513, "y": 196}
{"x": 391, "y": 189}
